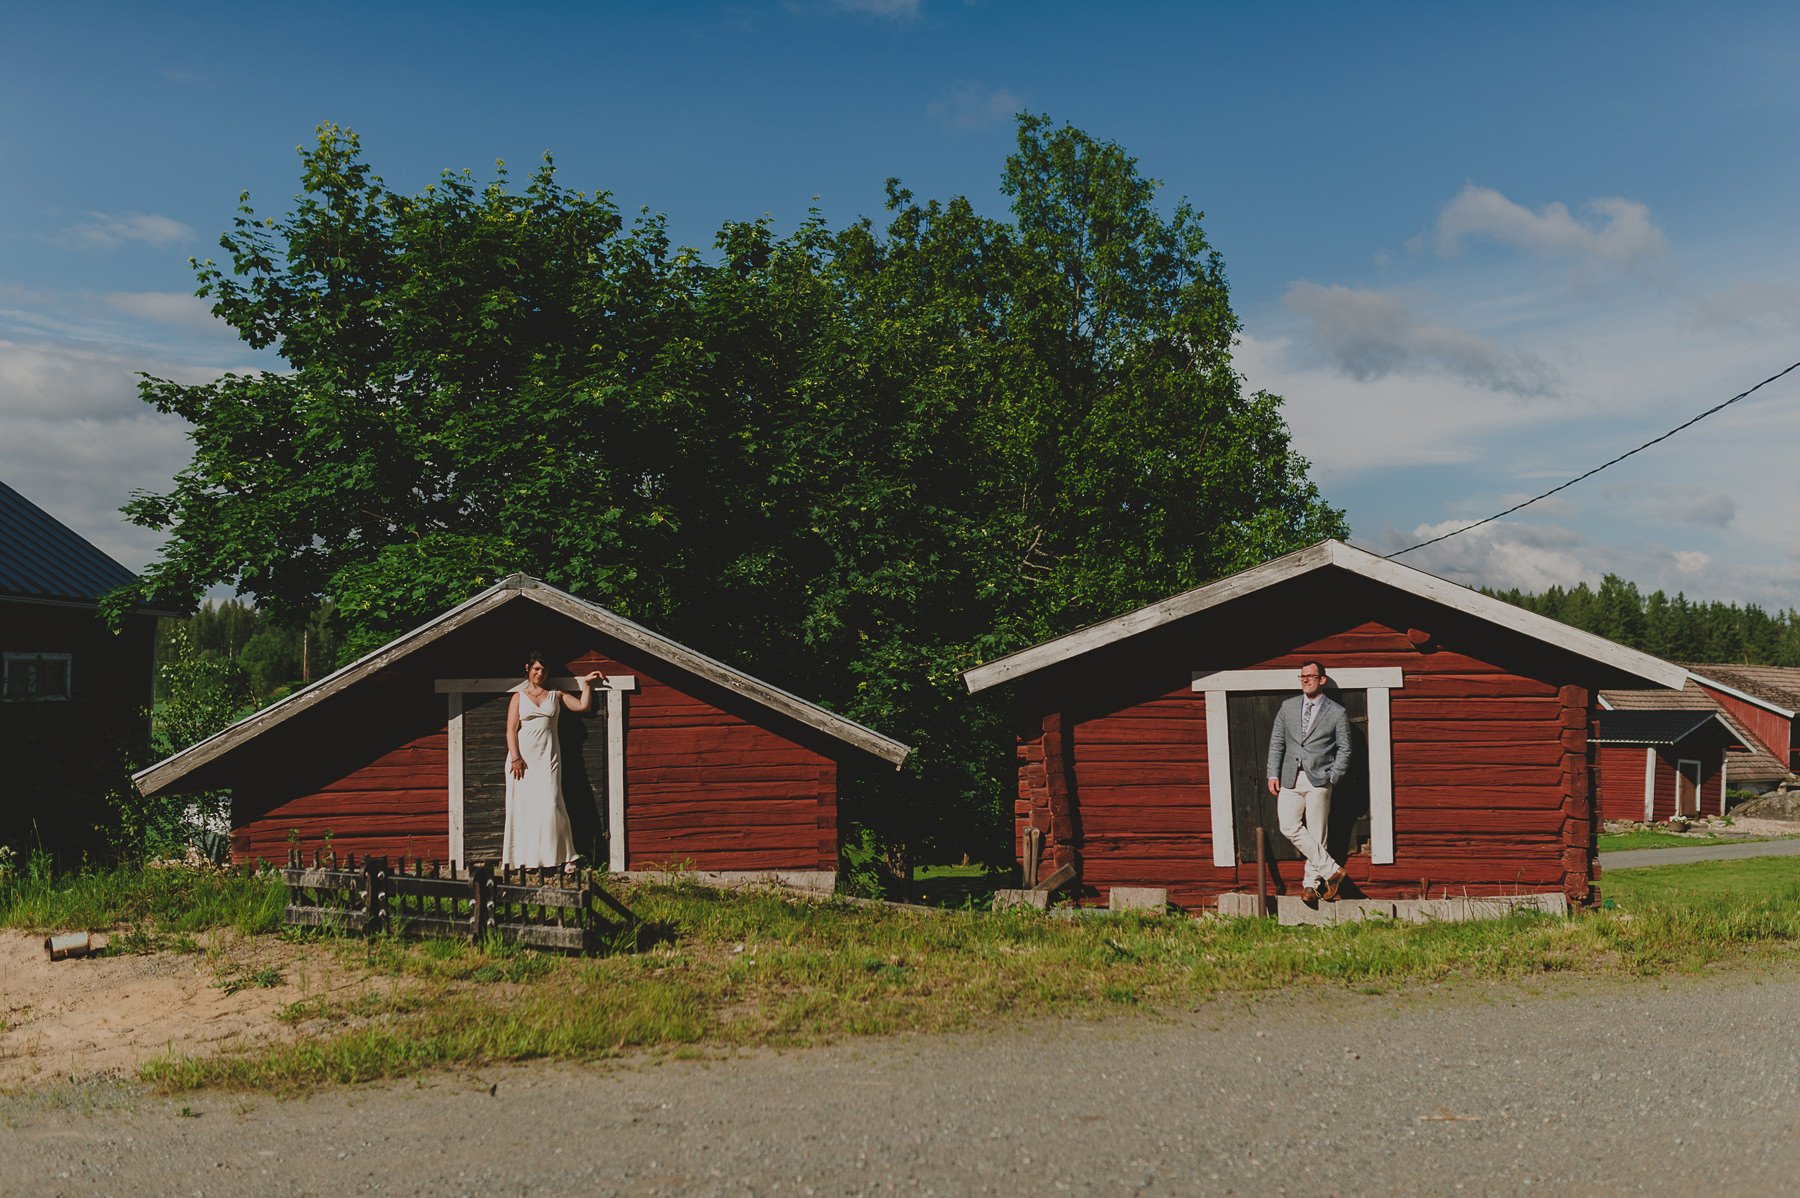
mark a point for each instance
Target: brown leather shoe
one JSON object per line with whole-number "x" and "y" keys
{"x": 1309, "y": 895}
{"x": 1332, "y": 885}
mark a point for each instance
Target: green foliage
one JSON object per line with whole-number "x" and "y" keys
{"x": 273, "y": 656}
{"x": 853, "y": 463}
{"x": 1677, "y": 629}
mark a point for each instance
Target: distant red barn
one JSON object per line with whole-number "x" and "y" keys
{"x": 687, "y": 761}
{"x": 1761, "y": 699}
{"x": 1143, "y": 739}
{"x": 1651, "y": 765}
{"x": 1748, "y": 764}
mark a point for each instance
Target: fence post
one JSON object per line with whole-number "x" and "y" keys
{"x": 480, "y": 879}
{"x": 374, "y": 873}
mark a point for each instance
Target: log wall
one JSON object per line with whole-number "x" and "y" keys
{"x": 1492, "y": 790}
{"x": 708, "y": 783}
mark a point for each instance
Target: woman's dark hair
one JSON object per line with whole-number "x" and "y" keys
{"x": 534, "y": 657}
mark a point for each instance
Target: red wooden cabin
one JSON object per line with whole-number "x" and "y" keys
{"x": 1143, "y": 739}
{"x": 1650, "y": 765}
{"x": 1748, "y": 765}
{"x": 1760, "y": 699}
{"x": 687, "y": 762}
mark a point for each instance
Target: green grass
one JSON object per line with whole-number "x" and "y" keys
{"x": 757, "y": 970}
{"x": 150, "y": 904}
{"x": 1747, "y": 879}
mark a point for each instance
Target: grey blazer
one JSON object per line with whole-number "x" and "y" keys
{"x": 1324, "y": 754}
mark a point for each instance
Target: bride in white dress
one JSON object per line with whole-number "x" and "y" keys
{"x": 537, "y": 823}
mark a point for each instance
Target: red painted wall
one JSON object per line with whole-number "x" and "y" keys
{"x": 1489, "y": 758}
{"x": 1774, "y": 731}
{"x": 709, "y": 784}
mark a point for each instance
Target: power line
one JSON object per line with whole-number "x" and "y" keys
{"x": 1597, "y": 469}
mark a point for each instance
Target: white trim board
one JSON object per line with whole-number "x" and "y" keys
{"x": 614, "y": 690}
{"x": 1217, "y": 686}
{"x": 1650, "y": 784}
{"x": 168, "y": 773}
{"x": 447, "y": 686}
{"x": 1295, "y": 565}
{"x": 1353, "y": 678}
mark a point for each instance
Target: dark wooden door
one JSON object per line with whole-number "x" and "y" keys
{"x": 1251, "y": 717}
{"x": 582, "y": 740}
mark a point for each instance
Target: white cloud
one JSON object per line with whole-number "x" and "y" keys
{"x": 179, "y": 308}
{"x": 972, "y": 106}
{"x": 901, "y": 10}
{"x": 1623, "y": 233}
{"x": 1753, "y": 307}
{"x": 1370, "y": 335}
{"x": 104, "y": 232}
{"x": 1536, "y": 557}
{"x": 1674, "y": 504}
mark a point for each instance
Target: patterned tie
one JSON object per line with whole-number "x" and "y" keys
{"x": 1306, "y": 721}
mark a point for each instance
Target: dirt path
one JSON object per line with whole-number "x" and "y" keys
{"x": 1679, "y": 1088}
{"x": 107, "y": 1015}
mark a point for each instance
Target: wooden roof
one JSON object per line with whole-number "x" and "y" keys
{"x": 1753, "y": 761}
{"x": 1774, "y": 687}
{"x": 1325, "y": 555}
{"x": 164, "y": 775}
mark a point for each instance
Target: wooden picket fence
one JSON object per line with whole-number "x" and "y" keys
{"x": 518, "y": 906}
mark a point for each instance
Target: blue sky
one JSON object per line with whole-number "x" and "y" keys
{"x": 1478, "y": 251}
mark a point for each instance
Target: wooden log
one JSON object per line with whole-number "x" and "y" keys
{"x": 1573, "y": 696}
{"x": 1062, "y": 877}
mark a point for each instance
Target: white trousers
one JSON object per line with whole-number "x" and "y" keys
{"x": 1304, "y": 811}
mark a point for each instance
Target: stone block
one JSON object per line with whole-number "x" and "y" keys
{"x": 1036, "y": 900}
{"x": 1294, "y": 911}
{"x": 1139, "y": 898}
{"x": 1243, "y": 905}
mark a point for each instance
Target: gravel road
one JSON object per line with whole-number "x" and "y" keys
{"x": 1682, "y": 1087}
{"x": 1682, "y": 854}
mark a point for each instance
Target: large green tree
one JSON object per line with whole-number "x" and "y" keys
{"x": 854, "y": 462}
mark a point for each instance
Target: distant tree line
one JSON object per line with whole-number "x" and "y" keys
{"x": 247, "y": 651}
{"x": 1676, "y": 629}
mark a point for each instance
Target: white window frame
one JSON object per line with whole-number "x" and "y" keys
{"x": 614, "y": 688}
{"x": 31, "y": 695}
{"x": 1378, "y": 681}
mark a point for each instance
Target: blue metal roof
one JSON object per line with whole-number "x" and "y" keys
{"x": 43, "y": 558}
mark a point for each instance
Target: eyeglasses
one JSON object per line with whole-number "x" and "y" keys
{"x": 1304, "y": 677}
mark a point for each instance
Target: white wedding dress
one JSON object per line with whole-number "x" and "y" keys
{"x": 537, "y": 823}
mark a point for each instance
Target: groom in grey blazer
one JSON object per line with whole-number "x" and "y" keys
{"x": 1309, "y": 753}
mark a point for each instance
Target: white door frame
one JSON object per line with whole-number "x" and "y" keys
{"x": 1699, "y": 793}
{"x": 614, "y": 688}
{"x": 1217, "y": 685}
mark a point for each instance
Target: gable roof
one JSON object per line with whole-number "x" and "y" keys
{"x": 1752, "y": 762}
{"x": 43, "y": 558}
{"x": 1652, "y": 726}
{"x": 1774, "y": 687}
{"x": 1305, "y": 561}
{"x": 513, "y": 589}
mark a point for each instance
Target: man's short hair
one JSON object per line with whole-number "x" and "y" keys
{"x": 1316, "y": 667}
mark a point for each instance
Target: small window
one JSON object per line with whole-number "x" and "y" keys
{"x": 36, "y": 676}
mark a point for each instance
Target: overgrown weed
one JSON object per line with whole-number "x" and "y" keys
{"x": 755, "y": 968}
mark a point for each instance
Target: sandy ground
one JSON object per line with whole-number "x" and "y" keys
{"x": 109, "y": 1014}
